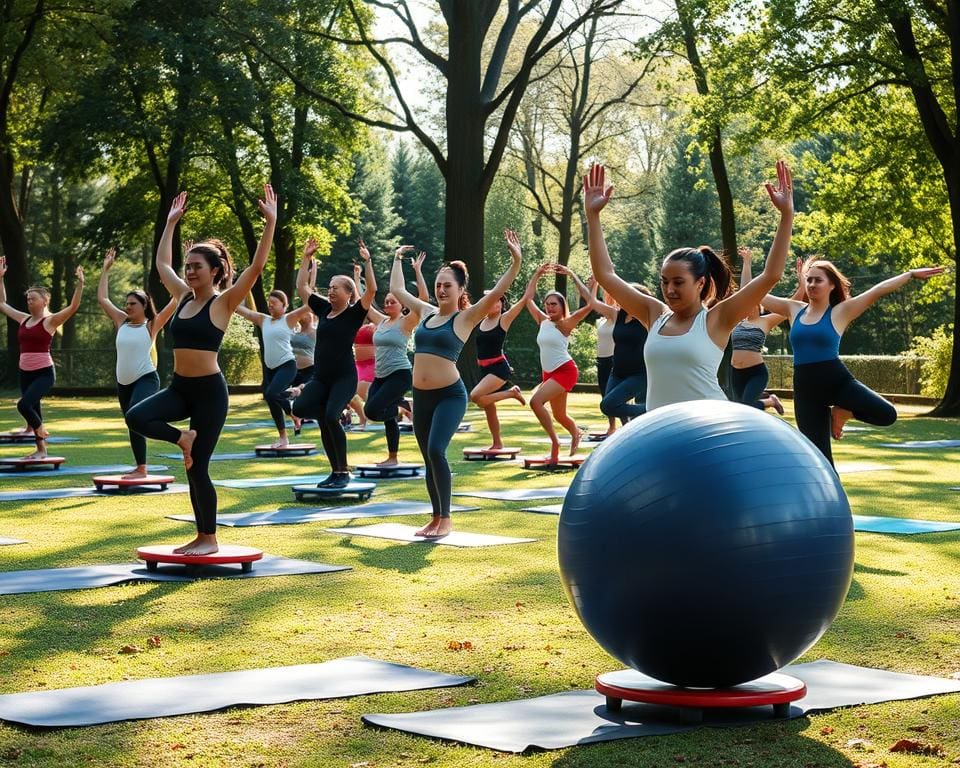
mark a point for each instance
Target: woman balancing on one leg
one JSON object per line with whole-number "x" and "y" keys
{"x": 439, "y": 397}
{"x": 604, "y": 344}
{"x": 749, "y": 375}
{"x": 686, "y": 339}
{"x": 334, "y": 380}
{"x": 37, "y": 326}
{"x": 137, "y": 324}
{"x": 198, "y": 389}
{"x": 627, "y": 379}
{"x": 495, "y": 385}
{"x": 279, "y": 362}
{"x": 559, "y": 371}
{"x": 825, "y": 393}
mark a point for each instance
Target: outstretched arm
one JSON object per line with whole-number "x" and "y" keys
{"x": 307, "y": 274}
{"x": 399, "y": 289}
{"x": 164, "y": 260}
{"x": 569, "y": 323}
{"x": 11, "y": 312}
{"x": 536, "y": 313}
{"x": 234, "y": 295}
{"x": 370, "y": 293}
{"x": 162, "y": 317}
{"x": 295, "y": 316}
{"x": 600, "y": 307}
{"x": 103, "y": 291}
{"x": 596, "y": 194}
{"x": 847, "y": 311}
{"x": 54, "y": 321}
{"x": 249, "y": 314}
{"x": 423, "y": 292}
{"x": 474, "y": 314}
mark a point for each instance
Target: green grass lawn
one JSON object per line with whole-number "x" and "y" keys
{"x": 409, "y": 603}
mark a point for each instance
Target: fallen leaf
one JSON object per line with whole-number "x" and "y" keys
{"x": 131, "y": 649}
{"x": 826, "y": 730}
{"x": 154, "y": 642}
{"x": 918, "y": 748}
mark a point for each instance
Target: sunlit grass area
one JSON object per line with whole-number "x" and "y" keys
{"x": 407, "y": 603}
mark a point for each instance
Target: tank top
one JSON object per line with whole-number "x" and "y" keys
{"x": 277, "y": 348}
{"x": 197, "y": 332}
{"x": 390, "y": 349}
{"x": 682, "y": 368}
{"x": 816, "y": 342}
{"x": 441, "y": 341}
{"x": 490, "y": 342}
{"x": 35, "y": 343}
{"x": 748, "y": 338}
{"x": 553, "y": 346}
{"x": 303, "y": 342}
{"x": 605, "y": 343}
{"x": 333, "y": 353}
{"x": 134, "y": 346}
{"x": 364, "y": 335}
{"x": 629, "y": 340}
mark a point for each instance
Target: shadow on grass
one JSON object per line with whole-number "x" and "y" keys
{"x": 402, "y": 558}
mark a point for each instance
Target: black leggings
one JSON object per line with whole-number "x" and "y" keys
{"x": 436, "y": 415}
{"x": 817, "y": 386}
{"x": 204, "y": 399}
{"x": 276, "y": 381}
{"x": 620, "y": 391}
{"x": 604, "y": 368}
{"x": 33, "y": 386}
{"x": 303, "y": 375}
{"x": 324, "y": 400}
{"x": 130, "y": 395}
{"x": 383, "y": 399}
{"x": 747, "y": 384}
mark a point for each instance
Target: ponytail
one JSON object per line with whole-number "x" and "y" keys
{"x": 704, "y": 262}
{"x": 218, "y": 257}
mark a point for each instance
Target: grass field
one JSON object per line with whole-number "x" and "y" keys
{"x": 414, "y": 604}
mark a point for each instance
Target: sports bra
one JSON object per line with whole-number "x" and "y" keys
{"x": 441, "y": 341}
{"x": 197, "y": 332}
{"x": 490, "y": 343}
{"x": 364, "y": 335}
{"x": 816, "y": 342}
{"x": 748, "y": 338}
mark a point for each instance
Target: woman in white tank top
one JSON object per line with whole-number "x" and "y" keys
{"x": 137, "y": 324}
{"x": 279, "y": 361}
{"x": 689, "y": 332}
{"x": 559, "y": 371}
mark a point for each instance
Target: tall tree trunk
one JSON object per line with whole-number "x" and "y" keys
{"x": 14, "y": 244}
{"x": 950, "y": 404}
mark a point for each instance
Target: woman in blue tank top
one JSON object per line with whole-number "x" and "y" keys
{"x": 439, "y": 397}
{"x": 825, "y": 393}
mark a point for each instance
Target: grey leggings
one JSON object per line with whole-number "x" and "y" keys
{"x": 436, "y": 415}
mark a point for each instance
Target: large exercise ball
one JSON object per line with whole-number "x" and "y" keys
{"x": 706, "y": 544}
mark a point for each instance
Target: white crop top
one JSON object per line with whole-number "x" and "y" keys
{"x": 681, "y": 368}
{"x": 605, "y": 337}
{"x": 553, "y": 346}
{"x": 276, "y": 342}
{"x": 134, "y": 346}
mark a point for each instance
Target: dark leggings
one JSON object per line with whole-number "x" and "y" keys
{"x": 620, "y": 391}
{"x": 383, "y": 399}
{"x": 817, "y": 386}
{"x": 436, "y": 416}
{"x": 747, "y": 384}
{"x": 324, "y": 400}
{"x": 604, "y": 368}
{"x": 130, "y": 395}
{"x": 303, "y": 375}
{"x": 33, "y": 386}
{"x": 276, "y": 381}
{"x": 204, "y": 399}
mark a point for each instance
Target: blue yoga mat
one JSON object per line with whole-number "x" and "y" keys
{"x": 92, "y": 576}
{"x": 293, "y": 515}
{"x": 924, "y": 444}
{"x": 86, "y": 492}
{"x": 868, "y": 524}
{"x": 80, "y": 469}
{"x": 170, "y": 696}
{"x": 218, "y": 456}
{"x": 518, "y": 494}
{"x": 269, "y": 482}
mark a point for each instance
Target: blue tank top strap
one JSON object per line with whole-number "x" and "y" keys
{"x": 814, "y": 342}
{"x": 441, "y": 341}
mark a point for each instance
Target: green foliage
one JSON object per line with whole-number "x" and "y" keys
{"x": 935, "y": 352}
{"x": 418, "y": 189}
{"x": 691, "y": 214}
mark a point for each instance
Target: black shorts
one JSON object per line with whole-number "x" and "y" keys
{"x": 501, "y": 370}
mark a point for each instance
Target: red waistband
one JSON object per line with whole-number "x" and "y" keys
{"x": 488, "y": 361}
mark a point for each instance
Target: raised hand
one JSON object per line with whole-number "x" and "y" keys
{"x": 399, "y": 253}
{"x": 79, "y": 275}
{"x": 595, "y": 192}
{"x": 109, "y": 258}
{"x": 781, "y": 195}
{"x": 745, "y": 253}
{"x": 513, "y": 244}
{"x": 177, "y": 207}
{"x": 925, "y": 273}
{"x": 309, "y": 248}
{"x": 364, "y": 252}
{"x": 418, "y": 261}
{"x": 188, "y": 245}
{"x": 563, "y": 269}
{"x": 268, "y": 205}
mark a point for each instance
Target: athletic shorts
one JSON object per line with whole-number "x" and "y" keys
{"x": 566, "y": 375}
{"x": 365, "y": 369}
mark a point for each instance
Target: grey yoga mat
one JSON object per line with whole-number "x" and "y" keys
{"x": 268, "y": 482}
{"x": 5, "y": 542}
{"x": 581, "y": 717}
{"x": 923, "y": 444}
{"x": 91, "y": 576}
{"x": 217, "y": 456}
{"x": 396, "y": 532}
{"x": 85, "y": 492}
{"x": 89, "y": 469}
{"x": 518, "y": 494}
{"x": 292, "y": 515}
{"x": 170, "y": 696}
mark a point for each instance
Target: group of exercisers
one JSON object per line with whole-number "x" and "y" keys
{"x": 651, "y": 353}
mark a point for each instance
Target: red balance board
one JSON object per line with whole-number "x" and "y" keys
{"x": 121, "y": 483}
{"x": 228, "y": 554}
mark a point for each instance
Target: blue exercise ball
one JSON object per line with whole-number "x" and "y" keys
{"x": 706, "y": 544}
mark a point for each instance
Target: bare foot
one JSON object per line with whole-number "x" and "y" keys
{"x": 41, "y": 432}
{"x": 776, "y": 404}
{"x": 28, "y": 430}
{"x": 839, "y": 417}
{"x": 362, "y": 426}
{"x": 204, "y": 544}
{"x": 575, "y": 442}
{"x": 38, "y": 454}
{"x": 518, "y": 394}
{"x": 429, "y": 528}
{"x": 185, "y": 547}
{"x": 498, "y": 446}
{"x": 280, "y": 442}
{"x": 186, "y": 445}
{"x": 389, "y": 462}
{"x": 443, "y": 528}
{"x": 137, "y": 474}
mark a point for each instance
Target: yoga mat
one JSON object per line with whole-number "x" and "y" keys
{"x": 85, "y": 492}
{"x": 546, "y": 509}
{"x": 5, "y": 542}
{"x": 924, "y": 444}
{"x": 268, "y": 482}
{"x": 581, "y": 717}
{"x": 519, "y": 494}
{"x": 869, "y": 524}
{"x": 91, "y": 576}
{"x": 851, "y": 467}
{"x": 248, "y": 425}
{"x": 7, "y": 441}
{"x": 170, "y": 696}
{"x": 293, "y": 515}
{"x": 88, "y": 469}
{"x": 396, "y": 532}
{"x": 219, "y": 456}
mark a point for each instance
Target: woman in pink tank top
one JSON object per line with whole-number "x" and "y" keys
{"x": 37, "y": 326}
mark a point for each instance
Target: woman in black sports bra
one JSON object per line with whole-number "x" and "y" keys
{"x": 198, "y": 389}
